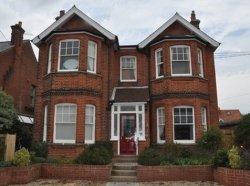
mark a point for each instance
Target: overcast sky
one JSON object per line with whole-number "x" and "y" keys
{"x": 227, "y": 21}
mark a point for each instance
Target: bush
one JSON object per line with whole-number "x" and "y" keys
{"x": 245, "y": 161}
{"x": 150, "y": 157}
{"x": 242, "y": 132}
{"x": 94, "y": 156}
{"x": 40, "y": 149}
{"x": 2, "y": 149}
{"x": 211, "y": 139}
{"x": 234, "y": 158}
{"x": 105, "y": 144}
{"x": 221, "y": 158}
{"x": 22, "y": 157}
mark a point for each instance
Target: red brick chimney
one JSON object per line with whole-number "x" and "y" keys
{"x": 62, "y": 12}
{"x": 17, "y": 34}
{"x": 194, "y": 21}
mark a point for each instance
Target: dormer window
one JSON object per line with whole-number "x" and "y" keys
{"x": 180, "y": 60}
{"x": 159, "y": 63}
{"x": 69, "y": 55}
{"x": 128, "y": 68}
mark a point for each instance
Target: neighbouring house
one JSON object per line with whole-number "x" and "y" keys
{"x": 91, "y": 88}
{"x": 228, "y": 120}
{"x": 18, "y": 73}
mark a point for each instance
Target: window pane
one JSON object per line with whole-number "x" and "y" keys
{"x": 91, "y": 63}
{"x": 115, "y": 124}
{"x": 65, "y": 131}
{"x": 189, "y": 111}
{"x": 176, "y": 111}
{"x": 128, "y": 74}
{"x": 180, "y": 67}
{"x": 69, "y": 62}
{"x": 162, "y": 132}
{"x": 176, "y": 119}
{"x": 128, "y": 108}
{"x": 183, "y": 132}
{"x": 160, "y": 70}
{"x": 63, "y": 44}
{"x": 140, "y": 122}
{"x": 88, "y": 132}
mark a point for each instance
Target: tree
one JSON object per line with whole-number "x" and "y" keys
{"x": 7, "y": 112}
{"x": 242, "y": 132}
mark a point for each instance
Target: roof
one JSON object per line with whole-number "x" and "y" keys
{"x": 186, "y": 24}
{"x": 73, "y": 11}
{"x": 229, "y": 117}
{"x": 5, "y": 45}
{"x": 130, "y": 94}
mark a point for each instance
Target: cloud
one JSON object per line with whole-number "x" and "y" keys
{"x": 227, "y": 21}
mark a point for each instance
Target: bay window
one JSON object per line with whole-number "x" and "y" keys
{"x": 128, "y": 68}
{"x": 180, "y": 60}
{"x": 92, "y": 54}
{"x": 204, "y": 118}
{"x": 184, "y": 129}
{"x": 65, "y": 123}
{"x": 159, "y": 63}
{"x": 69, "y": 55}
{"x": 200, "y": 63}
{"x": 160, "y": 125}
{"x": 89, "y": 124}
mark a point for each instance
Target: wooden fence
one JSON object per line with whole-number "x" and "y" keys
{"x": 9, "y": 140}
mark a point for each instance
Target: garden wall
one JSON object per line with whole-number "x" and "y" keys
{"x": 175, "y": 173}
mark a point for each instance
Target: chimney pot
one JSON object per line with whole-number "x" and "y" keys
{"x": 62, "y": 12}
{"x": 194, "y": 21}
{"x": 17, "y": 34}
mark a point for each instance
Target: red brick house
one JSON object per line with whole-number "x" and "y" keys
{"x": 90, "y": 88}
{"x": 18, "y": 72}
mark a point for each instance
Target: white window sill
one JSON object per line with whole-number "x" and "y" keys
{"x": 64, "y": 141}
{"x": 75, "y": 70}
{"x": 187, "y": 142}
{"x": 159, "y": 77}
{"x": 124, "y": 81}
{"x": 181, "y": 75}
{"x": 89, "y": 142}
{"x": 161, "y": 142}
{"x": 91, "y": 72}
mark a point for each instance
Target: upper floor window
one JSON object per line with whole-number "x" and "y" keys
{"x": 200, "y": 63}
{"x": 128, "y": 68}
{"x": 184, "y": 129}
{"x": 69, "y": 55}
{"x": 49, "y": 59}
{"x": 159, "y": 63}
{"x": 180, "y": 59}
{"x": 92, "y": 53}
{"x": 89, "y": 124}
{"x": 204, "y": 118}
{"x": 160, "y": 125}
{"x": 65, "y": 123}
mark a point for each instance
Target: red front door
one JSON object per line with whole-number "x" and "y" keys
{"x": 127, "y": 135}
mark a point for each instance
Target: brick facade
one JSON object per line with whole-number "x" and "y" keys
{"x": 83, "y": 88}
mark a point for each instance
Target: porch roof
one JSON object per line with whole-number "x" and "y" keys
{"x": 130, "y": 94}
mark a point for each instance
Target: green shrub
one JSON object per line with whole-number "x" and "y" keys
{"x": 2, "y": 148}
{"x": 40, "y": 149}
{"x": 245, "y": 161}
{"x": 94, "y": 156}
{"x": 221, "y": 158}
{"x": 5, "y": 164}
{"x": 173, "y": 151}
{"x": 38, "y": 160}
{"x": 234, "y": 158}
{"x": 189, "y": 161}
{"x": 150, "y": 157}
{"x": 22, "y": 157}
{"x": 105, "y": 144}
{"x": 211, "y": 139}
{"x": 242, "y": 132}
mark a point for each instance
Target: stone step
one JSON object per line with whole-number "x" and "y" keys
{"x": 124, "y": 166}
{"x": 123, "y": 178}
{"x": 123, "y": 158}
{"x": 123, "y": 172}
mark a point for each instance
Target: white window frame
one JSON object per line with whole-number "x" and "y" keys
{"x": 54, "y": 134}
{"x": 158, "y": 64}
{"x": 200, "y": 62}
{"x": 127, "y": 80}
{"x": 59, "y": 56}
{"x": 94, "y": 123}
{"x": 49, "y": 59}
{"x": 190, "y": 61}
{"x": 204, "y": 118}
{"x": 159, "y": 141}
{"x": 45, "y": 123}
{"x": 95, "y": 59}
{"x": 136, "y": 111}
{"x": 184, "y": 141}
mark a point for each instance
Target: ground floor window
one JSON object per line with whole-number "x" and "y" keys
{"x": 160, "y": 125}
{"x": 89, "y": 124}
{"x": 45, "y": 122}
{"x": 184, "y": 129}
{"x": 65, "y": 123}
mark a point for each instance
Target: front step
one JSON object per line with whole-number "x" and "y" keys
{"x": 124, "y": 166}
{"x": 123, "y": 172}
{"x": 123, "y": 178}
{"x": 125, "y": 159}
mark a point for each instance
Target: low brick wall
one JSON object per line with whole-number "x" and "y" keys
{"x": 19, "y": 175}
{"x": 175, "y": 173}
{"x": 86, "y": 172}
{"x": 232, "y": 177}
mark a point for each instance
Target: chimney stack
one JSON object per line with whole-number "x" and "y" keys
{"x": 17, "y": 34}
{"x": 62, "y": 12}
{"x": 194, "y": 21}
